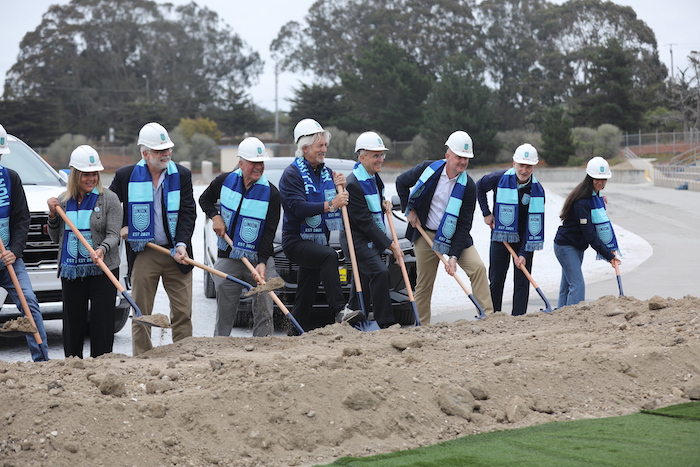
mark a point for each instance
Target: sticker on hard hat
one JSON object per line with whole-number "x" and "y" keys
{"x": 162, "y": 136}
{"x": 466, "y": 146}
{"x": 259, "y": 150}
{"x": 602, "y": 168}
{"x": 92, "y": 159}
{"x": 526, "y": 155}
{"x": 2, "y": 140}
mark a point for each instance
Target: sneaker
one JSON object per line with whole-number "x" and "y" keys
{"x": 349, "y": 316}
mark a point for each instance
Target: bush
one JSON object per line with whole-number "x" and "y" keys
{"x": 417, "y": 152}
{"x": 510, "y": 140}
{"x": 59, "y": 151}
{"x": 603, "y": 142}
{"x": 584, "y": 142}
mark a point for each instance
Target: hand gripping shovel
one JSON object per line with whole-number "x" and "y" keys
{"x": 364, "y": 325}
{"x": 25, "y": 307}
{"x": 457, "y": 278}
{"x": 548, "y": 308}
{"x": 402, "y": 264}
{"x": 157, "y": 320}
{"x": 275, "y": 283}
{"x": 274, "y": 296}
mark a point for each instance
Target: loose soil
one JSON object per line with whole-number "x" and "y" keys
{"x": 294, "y": 401}
{"x": 21, "y": 324}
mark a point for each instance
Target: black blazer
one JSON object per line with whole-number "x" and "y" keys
{"x": 364, "y": 229}
{"x": 186, "y": 218}
{"x": 462, "y": 238}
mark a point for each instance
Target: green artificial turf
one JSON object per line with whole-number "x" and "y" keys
{"x": 643, "y": 439}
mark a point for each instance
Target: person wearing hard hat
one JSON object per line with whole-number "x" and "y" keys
{"x": 159, "y": 208}
{"x": 518, "y": 219}
{"x": 249, "y": 213}
{"x": 87, "y": 291}
{"x": 584, "y": 222}
{"x": 442, "y": 202}
{"x": 14, "y": 229}
{"x": 311, "y": 211}
{"x": 369, "y": 233}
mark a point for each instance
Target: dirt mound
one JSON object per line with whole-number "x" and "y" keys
{"x": 280, "y": 401}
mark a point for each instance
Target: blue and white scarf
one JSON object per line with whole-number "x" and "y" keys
{"x": 506, "y": 213}
{"x": 373, "y": 198}
{"x": 5, "y": 206}
{"x": 251, "y": 207}
{"x": 603, "y": 227}
{"x": 75, "y": 257}
{"x": 140, "y": 204}
{"x": 448, "y": 224}
{"x": 315, "y": 227}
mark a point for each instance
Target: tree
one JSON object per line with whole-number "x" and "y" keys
{"x": 385, "y": 92}
{"x": 460, "y": 100}
{"x": 31, "y": 119}
{"x": 203, "y": 126}
{"x": 91, "y": 58}
{"x": 557, "y": 142}
{"x": 320, "y": 102}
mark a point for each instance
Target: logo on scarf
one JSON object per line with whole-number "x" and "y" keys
{"x": 449, "y": 227}
{"x": 534, "y": 224}
{"x": 506, "y": 215}
{"x": 81, "y": 248}
{"x": 249, "y": 230}
{"x": 5, "y": 230}
{"x": 330, "y": 194}
{"x": 605, "y": 233}
{"x": 141, "y": 216}
{"x": 72, "y": 247}
{"x": 313, "y": 221}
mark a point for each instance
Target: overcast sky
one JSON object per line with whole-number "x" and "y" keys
{"x": 258, "y": 22}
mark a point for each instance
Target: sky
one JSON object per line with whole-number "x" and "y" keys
{"x": 258, "y": 23}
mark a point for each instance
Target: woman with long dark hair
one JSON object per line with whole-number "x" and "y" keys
{"x": 585, "y": 222}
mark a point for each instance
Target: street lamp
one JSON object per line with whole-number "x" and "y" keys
{"x": 148, "y": 99}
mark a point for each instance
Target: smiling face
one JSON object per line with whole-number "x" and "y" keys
{"x": 252, "y": 171}
{"x": 372, "y": 161}
{"x": 158, "y": 159}
{"x": 523, "y": 171}
{"x": 315, "y": 154}
{"x": 599, "y": 184}
{"x": 455, "y": 165}
{"x": 88, "y": 182}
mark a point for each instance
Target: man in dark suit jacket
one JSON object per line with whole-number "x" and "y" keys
{"x": 440, "y": 186}
{"x": 366, "y": 211}
{"x": 158, "y": 207}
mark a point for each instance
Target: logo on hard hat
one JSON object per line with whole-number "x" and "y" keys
{"x": 259, "y": 150}
{"x": 602, "y": 168}
{"x": 92, "y": 159}
{"x": 162, "y": 136}
{"x": 380, "y": 142}
{"x": 2, "y": 140}
{"x": 526, "y": 155}
{"x": 466, "y": 146}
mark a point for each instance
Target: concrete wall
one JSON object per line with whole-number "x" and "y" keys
{"x": 574, "y": 175}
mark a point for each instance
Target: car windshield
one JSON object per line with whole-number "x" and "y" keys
{"x": 32, "y": 169}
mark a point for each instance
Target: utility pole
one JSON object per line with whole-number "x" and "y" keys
{"x": 277, "y": 113}
{"x": 673, "y": 79}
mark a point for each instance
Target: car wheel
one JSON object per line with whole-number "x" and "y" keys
{"x": 209, "y": 288}
{"x": 404, "y": 314}
{"x": 121, "y": 315}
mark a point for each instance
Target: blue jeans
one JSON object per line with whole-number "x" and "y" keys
{"x": 26, "y": 285}
{"x": 572, "y": 288}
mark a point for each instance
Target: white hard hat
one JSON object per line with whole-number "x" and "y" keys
{"x": 4, "y": 149}
{"x": 307, "y": 127}
{"x": 253, "y": 150}
{"x": 461, "y": 144}
{"x": 154, "y": 136}
{"x": 370, "y": 141}
{"x": 526, "y": 154}
{"x": 598, "y": 168}
{"x": 85, "y": 159}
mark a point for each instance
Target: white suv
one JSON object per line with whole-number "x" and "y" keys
{"x": 41, "y": 182}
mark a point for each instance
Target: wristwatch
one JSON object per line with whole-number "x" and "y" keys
{"x": 455, "y": 258}
{"x": 330, "y": 207}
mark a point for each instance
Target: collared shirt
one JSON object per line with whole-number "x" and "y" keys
{"x": 441, "y": 197}
{"x": 160, "y": 237}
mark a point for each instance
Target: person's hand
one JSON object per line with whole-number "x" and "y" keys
{"x": 605, "y": 199}
{"x": 488, "y": 220}
{"x": 340, "y": 200}
{"x": 388, "y": 206}
{"x": 98, "y": 255}
{"x": 124, "y": 232}
{"x": 181, "y": 254}
{"x": 451, "y": 266}
{"x": 260, "y": 272}
{"x": 217, "y": 223}
{"x": 615, "y": 262}
{"x": 8, "y": 258}
{"x": 339, "y": 179}
{"x": 412, "y": 218}
{"x": 52, "y": 202}
{"x": 396, "y": 250}
{"x": 519, "y": 262}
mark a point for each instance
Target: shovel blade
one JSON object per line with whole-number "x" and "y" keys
{"x": 273, "y": 284}
{"x": 367, "y": 326}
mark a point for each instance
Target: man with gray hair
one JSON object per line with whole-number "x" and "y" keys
{"x": 311, "y": 210}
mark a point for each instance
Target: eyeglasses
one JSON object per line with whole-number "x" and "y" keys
{"x": 160, "y": 152}
{"x": 376, "y": 157}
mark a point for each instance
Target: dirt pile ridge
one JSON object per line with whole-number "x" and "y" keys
{"x": 281, "y": 401}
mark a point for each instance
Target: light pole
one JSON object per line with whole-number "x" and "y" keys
{"x": 148, "y": 98}
{"x": 277, "y": 113}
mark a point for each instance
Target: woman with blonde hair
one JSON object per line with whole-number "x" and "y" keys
{"x": 97, "y": 214}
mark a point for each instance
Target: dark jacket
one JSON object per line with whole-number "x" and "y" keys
{"x": 578, "y": 231}
{"x": 462, "y": 238}
{"x": 211, "y": 196}
{"x": 186, "y": 217}
{"x": 19, "y": 215}
{"x": 364, "y": 229}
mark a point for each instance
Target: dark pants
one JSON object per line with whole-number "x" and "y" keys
{"x": 499, "y": 261}
{"x": 317, "y": 263}
{"x": 101, "y": 295}
{"x": 375, "y": 281}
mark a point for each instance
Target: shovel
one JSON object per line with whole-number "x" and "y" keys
{"x": 273, "y": 284}
{"x": 619, "y": 279}
{"x": 365, "y": 324}
{"x": 548, "y": 308}
{"x": 157, "y": 320}
{"x": 457, "y": 278}
{"x": 274, "y": 296}
{"x": 25, "y": 307}
{"x": 402, "y": 264}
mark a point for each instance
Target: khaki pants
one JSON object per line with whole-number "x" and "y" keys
{"x": 149, "y": 267}
{"x": 427, "y": 263}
